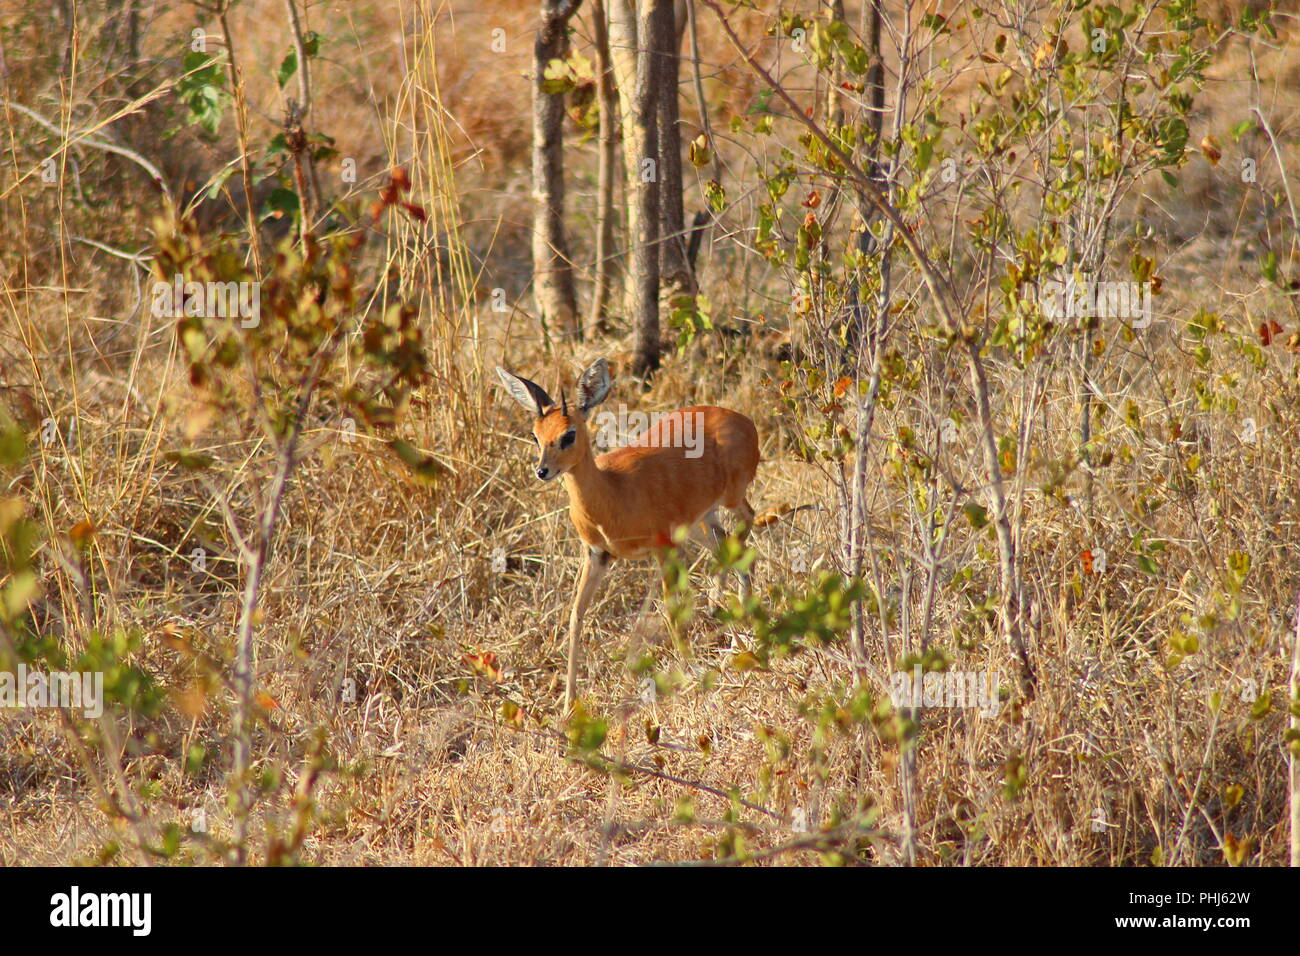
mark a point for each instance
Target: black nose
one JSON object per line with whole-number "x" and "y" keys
{"x": 541, "y": 473}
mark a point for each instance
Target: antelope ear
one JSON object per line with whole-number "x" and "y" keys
{"x": 593, "y": 386}
{"x": 528, "y": 394}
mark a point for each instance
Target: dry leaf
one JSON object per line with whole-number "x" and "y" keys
{"x": 1210, "y": 147}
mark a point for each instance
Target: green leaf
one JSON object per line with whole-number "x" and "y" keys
{"x": 976, "y": 514}
{"x": 171, "y": 840}
{"x": 195, "y": 758}
{"x": 1173, "y": 137}
{"x": 924, "y": 153}
{"x": 586, "y": 733}
{"x": 1268, "y": 268}
{"x": 1262, "y": 705}
{"x": 557, "y": 78}
{"x": 716, "y": 195}
{"x": 13, "y": 443}
{"x": 220, "y": 180}
{"x": 288, "y": 67}
{"x": 202, "y": 89}
{"x": 190, "y": 460}
{"x": 20, "y": 591}
{"x": 856, "y": 59}
{"x": 425, "y": 467}
{"x": 281, "y": 200}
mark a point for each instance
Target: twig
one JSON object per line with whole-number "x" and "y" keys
{"x": 241, "y": 131}
{"x": 74, "y": 139}
{"x": 1281, "y": 166}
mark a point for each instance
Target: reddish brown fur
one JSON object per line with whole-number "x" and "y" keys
{"x": 628, "y": 501}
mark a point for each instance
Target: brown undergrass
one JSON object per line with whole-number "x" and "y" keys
{"x": 387, "y": 585}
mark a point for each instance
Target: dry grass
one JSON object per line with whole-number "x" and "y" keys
{"x": 387, "y": 585}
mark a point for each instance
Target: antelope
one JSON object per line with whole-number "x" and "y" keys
{"x": 628, "y": 502}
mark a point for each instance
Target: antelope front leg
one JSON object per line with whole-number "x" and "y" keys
{"x": 593, "y": 570}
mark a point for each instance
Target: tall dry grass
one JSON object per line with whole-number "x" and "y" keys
{"x": 392, "y": 588}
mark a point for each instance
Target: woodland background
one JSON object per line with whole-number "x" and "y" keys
{"x": 326, "y": 591}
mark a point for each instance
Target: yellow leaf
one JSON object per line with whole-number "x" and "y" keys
{"x": 700, "y": 152}
{"x": 1210, "y": 147}
{"x": 1235, "y": 851}
{"x": 512, "y": 714}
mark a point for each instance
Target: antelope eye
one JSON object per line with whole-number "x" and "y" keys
{"x": 567, "y": 438}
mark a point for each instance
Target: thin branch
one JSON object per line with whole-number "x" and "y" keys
{"x": 1281, "y": 166}
{"x": 84, "y": 137}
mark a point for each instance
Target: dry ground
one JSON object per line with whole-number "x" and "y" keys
{"x": 388, "y": 588}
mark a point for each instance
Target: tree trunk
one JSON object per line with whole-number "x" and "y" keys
{"x": 873, "y": 16}
{"x": 553, "y": 285}
{"x": 623, "y": 49}
{"x": 655, "y": 27}
{"x": 623, "y": 55}
{"x": 675, "y": 270}
{"x": 608, "y": 99}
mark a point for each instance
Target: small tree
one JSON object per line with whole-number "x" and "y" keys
{"x": 302, "y": 352}
{"x": 674, "y": 268}
{"x": 607, "y": 97}
{"x": 656, "y": 27}
{"x": 553, "y": 287}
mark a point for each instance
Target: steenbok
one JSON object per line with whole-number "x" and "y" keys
{"x": 628, "y": 502}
